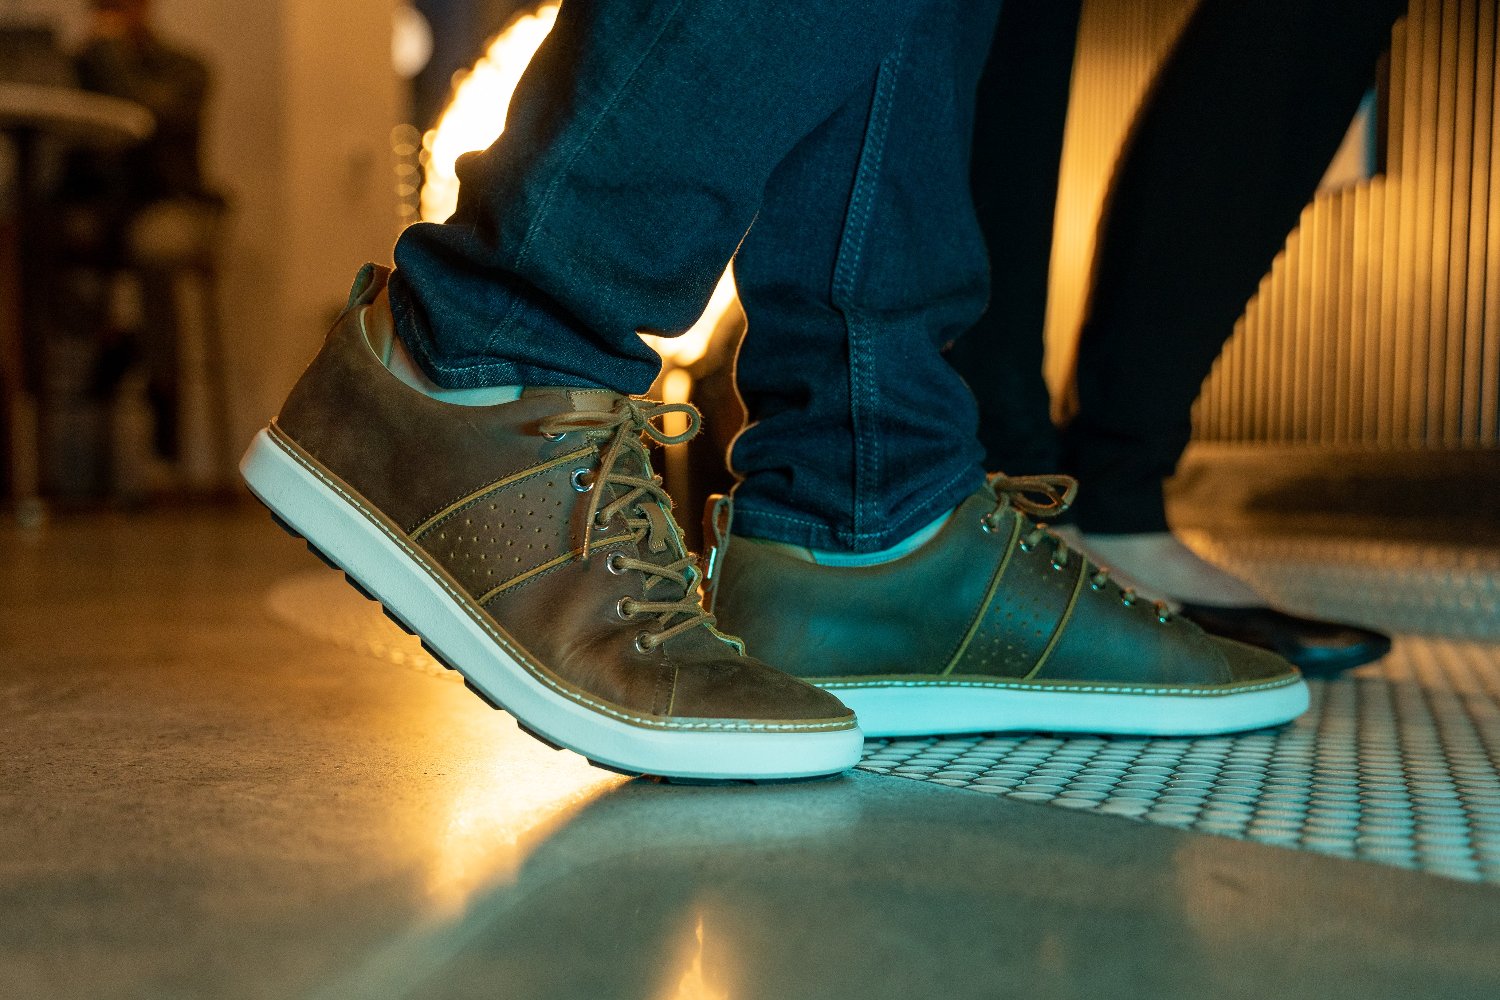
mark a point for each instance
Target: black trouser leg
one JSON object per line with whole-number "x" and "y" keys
{"x": 1022, "y": 106}
{"x": 1239, "y": 127}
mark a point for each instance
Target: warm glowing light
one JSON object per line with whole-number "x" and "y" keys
{"x": 475, "y": 118}
{"x": 514, "y": 800}
{"x": 688, "y": 349}
{"x": 411, "y": 41}
{"x": 676, "y": 387}
{"x": 692, "y": 985}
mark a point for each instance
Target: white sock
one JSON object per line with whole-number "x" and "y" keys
{"x": 904, "y": 547}
{"x": 404, "y": 366}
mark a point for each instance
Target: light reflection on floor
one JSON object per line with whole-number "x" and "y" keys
{"x": 693, "y": 985}
{"x": 524, "y": 791}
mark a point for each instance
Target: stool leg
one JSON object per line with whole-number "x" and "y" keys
{"x": 215, "y": 376}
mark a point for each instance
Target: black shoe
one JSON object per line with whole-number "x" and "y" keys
{"x": 1318, "y": 648}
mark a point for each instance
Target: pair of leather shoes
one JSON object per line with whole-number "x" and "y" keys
{"x": 1317, "y": 648}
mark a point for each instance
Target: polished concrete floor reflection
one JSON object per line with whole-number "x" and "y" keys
{"x": 214, "y": 787}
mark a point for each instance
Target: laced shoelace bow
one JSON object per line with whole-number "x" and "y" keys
{"x": 628, "y": 425}
{"x": 1060, "y": 491}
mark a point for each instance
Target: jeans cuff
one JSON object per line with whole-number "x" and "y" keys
{"x": 810, "y": 531}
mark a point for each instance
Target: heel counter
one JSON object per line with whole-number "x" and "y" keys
{"x": 304, "y": 410}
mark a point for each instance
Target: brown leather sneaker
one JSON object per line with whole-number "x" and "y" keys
{"x": 992, "y": 625}
{"x": 533, "y": 550}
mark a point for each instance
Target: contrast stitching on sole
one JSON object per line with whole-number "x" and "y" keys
{"x": 1063, "y": 687}
{"x": 279, "y": 438}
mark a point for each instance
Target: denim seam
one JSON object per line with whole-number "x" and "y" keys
{"x": 541, "y": 211}
{"x": 863, "y": 387}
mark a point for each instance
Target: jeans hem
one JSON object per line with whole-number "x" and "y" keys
{"x": 813, "y": 533}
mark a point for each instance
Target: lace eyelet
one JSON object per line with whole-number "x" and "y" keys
{"x": 600, "y": 521}
{"x": 620, "y": 609}
{"x": 1164, "y": 616}
{"x": 985, "y": 525}
{"x": 616, "y": 563}
{"x": 554, "y": 437}
{"x": 1128, "y": 599}
{"x": 1025, "y": 546}
{"x": 1059, "y": 565}
{"x": 577, "y": 480}
{"x": 643, "y": 643}
{"x": 1095, "y": 586}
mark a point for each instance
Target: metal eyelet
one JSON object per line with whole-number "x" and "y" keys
{"x": 985, "y": 525}
{"x": 554, "y": 437}
{"x": 1025, "y": 546}
{"x": 577, "y": 480}
{"x": 600, "y": 521}
{"x": 1058, "y": 565}
{"x": 643, "y": 642}
{"x": 624, "y": 615}
{"x": 1164, "y": 616}
{"x": 1127, "y": 598}
{"x": 616, "y": 563}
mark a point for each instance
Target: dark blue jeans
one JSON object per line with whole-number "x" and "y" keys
{"x": 639, "y": 150}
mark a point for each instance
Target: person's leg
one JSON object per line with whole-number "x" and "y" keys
{"x": 863, "y": 262}
{"x": 528, "y": 542}
{"x": 1021, "y": 112}
{"x": 1239, "y": 127}
{"x": 634, "y": 159}
{"x": 1229, "y": 146}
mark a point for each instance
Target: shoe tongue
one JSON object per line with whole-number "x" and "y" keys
{"x": 655, "y": 547}
{"x": 577, "y": 399}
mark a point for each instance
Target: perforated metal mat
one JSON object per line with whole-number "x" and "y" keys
{"x": 1396, "y": 763}
{"x": 1422, "y": 588}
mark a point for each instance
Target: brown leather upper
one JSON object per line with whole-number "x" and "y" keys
{"x": 491, "y": 502}
{"x": 971, "y": 603}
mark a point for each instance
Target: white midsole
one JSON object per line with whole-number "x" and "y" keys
{"x": 328, "y": 515}
{"x": 938, "y": 707}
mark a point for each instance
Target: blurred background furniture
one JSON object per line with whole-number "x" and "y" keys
{"x": 37, "y": 119}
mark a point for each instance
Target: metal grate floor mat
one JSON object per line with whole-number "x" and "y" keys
{"x": 1397, "y": 763}
{"x": 1398, "y": 586}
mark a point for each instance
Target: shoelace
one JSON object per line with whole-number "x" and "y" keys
{"x": 627, "y": 424}
{"x": 1017, "y": 492}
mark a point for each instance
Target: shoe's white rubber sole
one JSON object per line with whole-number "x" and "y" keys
{"x": 928, "y": 708}
{"x": 341, "y": 525}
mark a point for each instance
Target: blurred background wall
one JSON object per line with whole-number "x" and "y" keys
{"x": 298, "y": 137}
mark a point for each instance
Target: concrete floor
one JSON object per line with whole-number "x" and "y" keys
{"x": 203, "y": 800}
